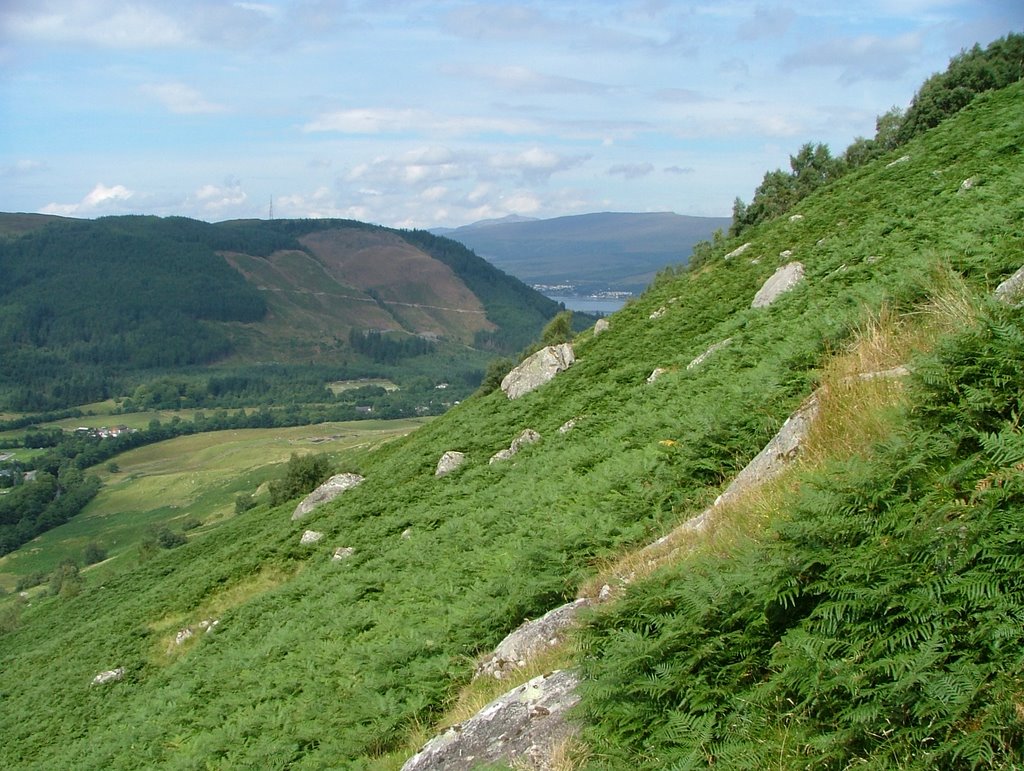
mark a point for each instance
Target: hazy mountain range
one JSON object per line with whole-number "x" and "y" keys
{"x": 593, "y": 252}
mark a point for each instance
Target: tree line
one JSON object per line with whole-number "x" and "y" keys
{"x": 944, "y": 94}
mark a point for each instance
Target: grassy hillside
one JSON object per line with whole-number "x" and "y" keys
{"x": 878, "y": 622}
{"x": 184, "y": 481}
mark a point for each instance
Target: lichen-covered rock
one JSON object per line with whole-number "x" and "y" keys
{"x": 568, "y": 425}
{"x": 538, "y": 369}
{"x": 531, "y": 638}
{"x": 342, "y": 553}
{"x": 738, "y": 251}
{"x": 1011, "y": 291}
{"x": 712, "y": 349}
{"x": 969, "y": 183}
{"x": 500, "y": 456}
{"x": 796, "y": 218}
{"x": 183, "y": 635}
{"x": 448, "y": 462}
{"x": 602, "y": 325}
{"x": 898, "y": 161}
{"x": 528, "y": 436}
{"x": 310, "y": 537}
{"x": 657, "y": 373}
{"x": 328, "y": 491}
{"x": 780, "y": 282}
{"x": 110, "y": 676}
{"x": 520, "y": 727}
{"x": 658, "y": 313}
{"x": 777, "y": 454}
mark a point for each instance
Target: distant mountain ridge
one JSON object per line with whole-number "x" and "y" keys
{"x": 602, "y": 250}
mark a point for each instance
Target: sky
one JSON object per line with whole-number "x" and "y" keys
{"x": 444, "y": 112}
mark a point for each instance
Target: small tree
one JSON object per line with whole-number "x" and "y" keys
{"x": 558, "y": 330}
{"x": 303, "y": 475}
{"x": 66, "y": 581}
{"x": 93, "y": 553}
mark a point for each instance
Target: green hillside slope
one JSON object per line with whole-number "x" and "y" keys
{"x": 320, "y": 663}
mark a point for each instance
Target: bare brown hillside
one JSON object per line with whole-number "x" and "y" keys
{"x": 352, "y": 278}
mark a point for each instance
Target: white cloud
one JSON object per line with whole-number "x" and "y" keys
{"x": 866, "y": 57}
{"x": 434, "y": 193}
{"x": 631, "y": 170}
{"x": 500, "y": 22}
{"x": 767, "y": 24}
{"x": 370, "y": 120}
{"x": 217, "y": 199}
{"x": 517, "y": 77}
{"x": 144, "y": 24}
{"x": 100, "y": 200}
{"x": 103, "y": 23}
{"x": 536, "y": 164}
{"x": 417, "y": 168}
{"x": 21, "y": 167}
{"x": 181, "y": 99}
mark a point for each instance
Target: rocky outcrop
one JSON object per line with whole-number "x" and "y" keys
{"x": 737, "y": 251}
{"x": 450, "y": 461}
{"x": 602, "y": 325}
{"x": 528, "y": 436}
{"x": 531, "y": 638}
{"x": 777, "y": 454}
{"x": 110, "y": 676}
{"x": 1011, "y": 291}
{"x": 656, "y": 373}
{"x": 773, "y": 459}
{"x": 658, "y": 313}
{"x": 310, "y": 537}
{"x": 538, "y": 369}
{"x": 342, "y": 553}
{"x": 520, "y": 727}
{"x": 328, "y": 491}
{"x": 712, "y": 349}
{"x": 207, "y": 625}
{"x": 568, "y": 425}
{"x": 780, "y": 282}
{"x": 898, "y": 161}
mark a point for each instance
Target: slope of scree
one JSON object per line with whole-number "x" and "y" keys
{"x": 336, "y": 662}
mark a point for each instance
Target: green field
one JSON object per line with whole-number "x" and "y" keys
{"x": 188, "y": 478}
{"x": 340, "y": 386}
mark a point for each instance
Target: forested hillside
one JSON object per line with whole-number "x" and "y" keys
{"x": 91, "y": 309}
{"x": 865, "y": 611}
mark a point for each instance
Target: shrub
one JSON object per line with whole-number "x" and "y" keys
{"x": 303, "y": 475}
{"x": 93, "y": 553}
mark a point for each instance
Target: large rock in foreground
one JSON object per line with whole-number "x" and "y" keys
{"x": 538, "y": 369}
{"x": 328, "y": 491}
{"x": 523, "y": 725}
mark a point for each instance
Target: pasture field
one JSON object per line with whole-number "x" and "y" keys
{"x": 184, "y": 480}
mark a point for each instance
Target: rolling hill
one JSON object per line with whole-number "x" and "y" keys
{"x": 863, "y": 611}
{"x": 594, "y": 252}
{"x": 121, "y": 296}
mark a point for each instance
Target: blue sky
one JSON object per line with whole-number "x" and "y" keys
{"x": 416, "y": 114}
